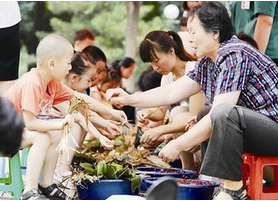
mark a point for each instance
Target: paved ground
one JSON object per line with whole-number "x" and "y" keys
{"x": 5, "y": 196}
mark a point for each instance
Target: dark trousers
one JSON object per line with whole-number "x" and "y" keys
{"x": 236, "y": 130}
{"x": 9, "y": 53}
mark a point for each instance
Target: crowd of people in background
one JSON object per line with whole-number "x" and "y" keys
{"x": 205, "y": 88}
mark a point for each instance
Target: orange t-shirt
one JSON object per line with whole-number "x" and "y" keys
{"x": 28, "y": 94}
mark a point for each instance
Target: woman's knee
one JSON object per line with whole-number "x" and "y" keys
{"x": 223, "y": 111}
{"x": 203, "y": 112}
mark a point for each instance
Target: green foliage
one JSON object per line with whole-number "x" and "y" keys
{"x": 112, "y": 170}
{"x": 106, "y": 19}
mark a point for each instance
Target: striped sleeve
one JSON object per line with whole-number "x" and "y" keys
{"x": 234, "y": 74}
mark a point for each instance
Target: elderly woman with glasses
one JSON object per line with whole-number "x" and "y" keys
{"x": 241, "y": 84}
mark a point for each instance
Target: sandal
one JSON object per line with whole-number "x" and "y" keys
{"x": 53, "y": 192}
{"x": 238, "y": 194}
{"x": 33, "y": 194}
{"x": 63, "y": 180}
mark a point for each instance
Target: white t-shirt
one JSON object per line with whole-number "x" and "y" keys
{"x": 168, "y": 79}
{"x": 9, "y": 13}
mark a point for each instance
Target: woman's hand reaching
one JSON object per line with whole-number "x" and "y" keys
{"x": 117, "y": 96}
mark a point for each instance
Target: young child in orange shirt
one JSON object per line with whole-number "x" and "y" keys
{"x": 33, "y": 95}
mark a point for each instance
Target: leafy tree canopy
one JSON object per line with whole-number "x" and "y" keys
{"x": 107, "y": 20}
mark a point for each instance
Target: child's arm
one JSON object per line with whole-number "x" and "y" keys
{"x": 32, "y": 123}
{"x": 90, "y": 128}
{"x": 101, "y": 122}
{"x": 102, "y": 109}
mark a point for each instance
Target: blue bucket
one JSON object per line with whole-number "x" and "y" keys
{"x": 202, "y": 191}
{"x": 102, "y": 189}
{"x": 161, "y": 172}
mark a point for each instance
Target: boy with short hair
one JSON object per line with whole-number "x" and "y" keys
{"x": 33, "y": 95}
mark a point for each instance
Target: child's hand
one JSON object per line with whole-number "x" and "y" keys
{"x": 106, "y": 142}
{"x": 106, "y": 133}
{"x": 113, "y": 129}
{"x": 120, "y": 116}
{"x": 68, "y": 120}
{"x": 78, "y": 117}
{"x": 190, "y": 123}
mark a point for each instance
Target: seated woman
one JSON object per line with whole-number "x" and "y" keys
{"x": 165, "y": 51}
{"x": 240, "y": 82}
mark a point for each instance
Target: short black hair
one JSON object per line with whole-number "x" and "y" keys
{"x": 149, "y": 79}
{"x": 96, "y": 53}
{"x": 126, "y": 62}
{"x": 112, "y": 75}
{"x": 11, "y": 128}
{"x": 81, "y": 63}
{"x": 214, "y": 17}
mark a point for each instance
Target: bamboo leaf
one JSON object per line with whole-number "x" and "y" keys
{"x": 135, "y": 183}
{"x": 101, "y": 168}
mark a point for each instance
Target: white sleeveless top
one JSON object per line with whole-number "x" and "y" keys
{"x": 9, "y": 13}
{"x": 168, "y": 79}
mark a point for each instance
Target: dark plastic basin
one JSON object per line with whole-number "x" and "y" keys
{"x": 202, "y": 191}
{"x": 102, "y": 189}
{"x": 161, "y": 172}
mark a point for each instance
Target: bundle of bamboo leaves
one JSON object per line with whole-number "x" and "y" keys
{"x": 118, "y": 163}
{"x": 81, "y": 106}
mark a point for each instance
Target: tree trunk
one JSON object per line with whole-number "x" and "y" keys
{"x": 133, "y": 8}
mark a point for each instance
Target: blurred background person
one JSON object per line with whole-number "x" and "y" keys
{"x": 83, "y": 38}
{"x": 125, "y": 68}
{"x": 183, "y": 24}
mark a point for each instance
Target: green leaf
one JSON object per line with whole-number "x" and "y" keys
{"x": 88, "y": 167}
{"x": 110, "y": 172}
{"x": 122, "y": 172}
{"x": 117, "y": 167}
{"x": 82, "y": 157}
{"x": 135, "y": 183}
{"x": 93, "y": 173}
{"x": 101, "y": 168}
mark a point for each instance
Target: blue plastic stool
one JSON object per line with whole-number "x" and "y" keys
{"x": 13, "y": 183}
